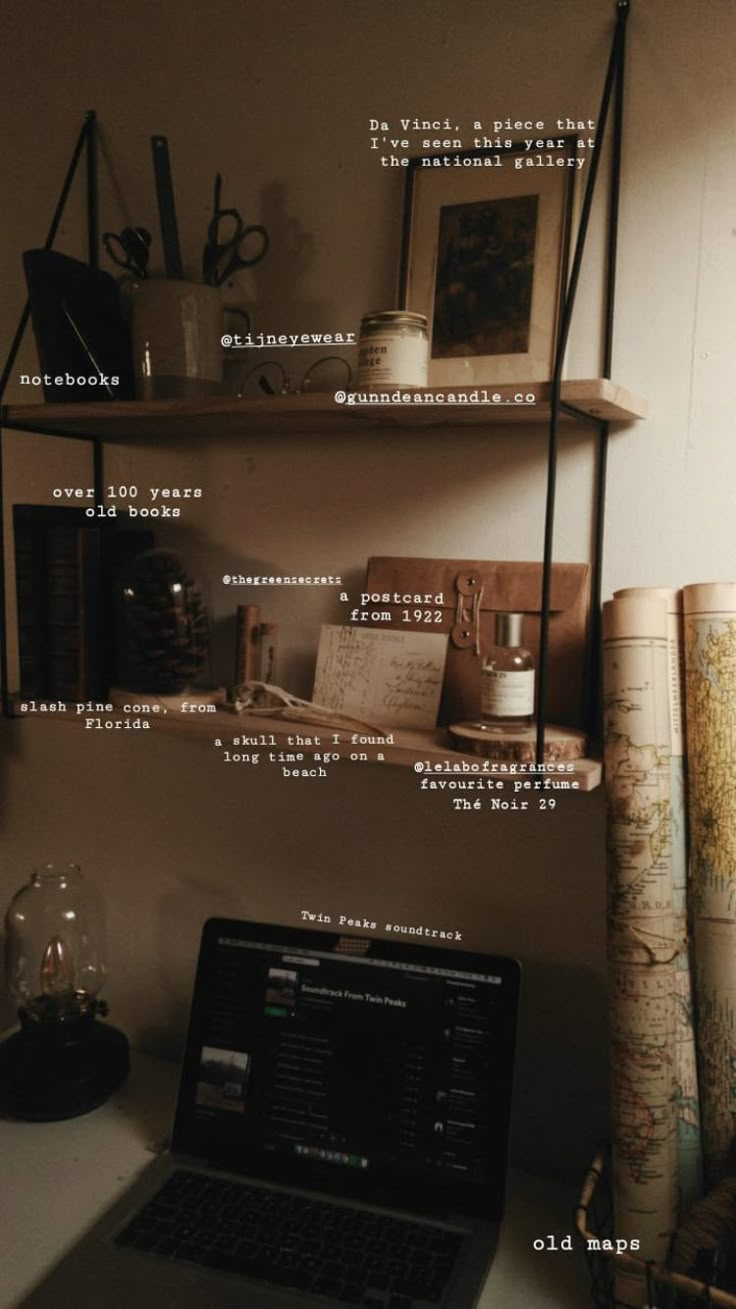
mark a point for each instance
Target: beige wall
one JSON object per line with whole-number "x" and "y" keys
{"x": 278, "y": 98}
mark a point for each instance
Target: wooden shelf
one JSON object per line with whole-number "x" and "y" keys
{"x": 408, "y": 748}
{"x": 316, "y": 412}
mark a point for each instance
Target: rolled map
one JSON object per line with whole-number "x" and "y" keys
{"x": 687, "y": 1098}
{"x": 710, "y": 680}
{"x": 642, "y": 946}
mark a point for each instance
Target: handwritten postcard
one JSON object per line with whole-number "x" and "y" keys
{"x": 387, "y": 677}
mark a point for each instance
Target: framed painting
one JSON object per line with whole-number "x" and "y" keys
{"x": 484, "y": 257}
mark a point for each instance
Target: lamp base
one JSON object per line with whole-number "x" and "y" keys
{"x": 59, "y": 1070}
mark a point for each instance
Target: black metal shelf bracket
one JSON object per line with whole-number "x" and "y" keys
{"x": 613, "y": 86}
{"x": 613, "y": 90}
{"x": 86, "y": 145}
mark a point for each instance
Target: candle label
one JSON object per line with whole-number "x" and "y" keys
{"x": 396, "y": 360}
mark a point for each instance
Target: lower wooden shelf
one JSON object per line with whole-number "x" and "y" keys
{"x": 399, "y": 747}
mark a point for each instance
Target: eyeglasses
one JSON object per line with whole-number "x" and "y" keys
{"x": 271, "y": 377}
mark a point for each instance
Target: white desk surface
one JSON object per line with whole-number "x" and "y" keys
{"x": 58, "y": 1177}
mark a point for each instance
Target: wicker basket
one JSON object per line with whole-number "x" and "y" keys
{"x": 665, "y": 1289}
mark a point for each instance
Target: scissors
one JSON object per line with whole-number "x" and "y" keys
{"x": 224, "y": 253}
{"x": 129, "y": 249}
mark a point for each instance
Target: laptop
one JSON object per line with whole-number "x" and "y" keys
{"x": 340, "y": 1135}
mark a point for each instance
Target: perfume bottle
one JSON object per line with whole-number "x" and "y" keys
{"x": 507, "y": 679}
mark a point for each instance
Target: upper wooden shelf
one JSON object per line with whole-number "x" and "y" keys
{"x": 316, "y": 412}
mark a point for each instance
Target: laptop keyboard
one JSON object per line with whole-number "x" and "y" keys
{"x": 351, "y": 1256}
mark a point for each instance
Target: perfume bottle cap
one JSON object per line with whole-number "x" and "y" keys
{"x": 509, "y": 629}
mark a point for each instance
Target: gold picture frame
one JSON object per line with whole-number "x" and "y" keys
{"x": 484, "y": 257}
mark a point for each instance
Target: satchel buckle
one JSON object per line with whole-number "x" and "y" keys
{"x": 465, "y": 633}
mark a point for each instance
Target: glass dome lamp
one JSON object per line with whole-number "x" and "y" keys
{"x": 63, "y": 1061}
{"x": 54, "y": 966}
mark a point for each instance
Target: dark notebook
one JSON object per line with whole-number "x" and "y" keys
{"x": 79, "y": 329}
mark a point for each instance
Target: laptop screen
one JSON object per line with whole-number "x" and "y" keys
{"x": 365, "y": 1067}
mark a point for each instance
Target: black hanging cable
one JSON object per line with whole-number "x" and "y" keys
{"x": 86, "y": 138}
{"x": 614, "y": 65}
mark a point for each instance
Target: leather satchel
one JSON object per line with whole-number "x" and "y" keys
{"x": 462, "y": 596}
